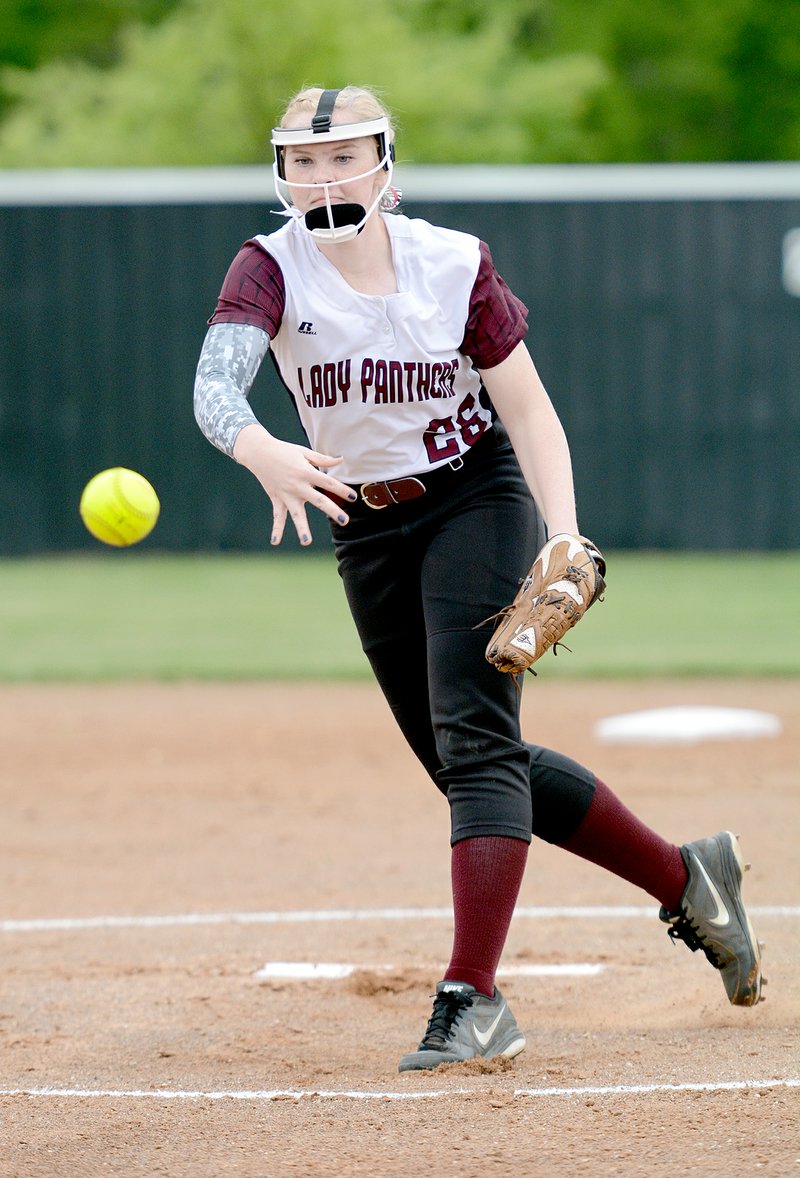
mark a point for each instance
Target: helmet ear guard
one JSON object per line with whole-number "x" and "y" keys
{"x": 331, "y": 222}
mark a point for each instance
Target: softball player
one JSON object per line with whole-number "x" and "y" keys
{"x": 439, "y": 460}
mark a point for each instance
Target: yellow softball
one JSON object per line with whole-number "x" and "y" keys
{"x": 119, "y": 506}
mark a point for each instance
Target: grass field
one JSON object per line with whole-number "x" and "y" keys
{"x": 129, "y": 615}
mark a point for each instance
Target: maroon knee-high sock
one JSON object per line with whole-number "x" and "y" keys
{"x": 614, "y": 838}
{"x": 486, "y": 876}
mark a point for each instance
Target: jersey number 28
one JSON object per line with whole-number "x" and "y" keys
{"x": 440, "y": 436}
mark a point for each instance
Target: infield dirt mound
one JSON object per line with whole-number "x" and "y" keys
{"x": 206, "y": 800}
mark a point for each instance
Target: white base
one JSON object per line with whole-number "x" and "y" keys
{"x": 686, "y": 725}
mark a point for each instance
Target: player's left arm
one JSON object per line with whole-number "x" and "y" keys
{"x": 537, "y": 435}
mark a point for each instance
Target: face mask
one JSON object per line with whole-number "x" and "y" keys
{"x": 331, "y": 223}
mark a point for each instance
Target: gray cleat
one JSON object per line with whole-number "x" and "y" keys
{"x": 465, "y": 1024}
{"x": 712, "y": 916}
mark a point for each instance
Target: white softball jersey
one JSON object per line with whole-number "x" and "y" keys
{"x": 380, "y": 379}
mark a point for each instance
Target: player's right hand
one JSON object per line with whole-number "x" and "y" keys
{"x": 292, "y": 476}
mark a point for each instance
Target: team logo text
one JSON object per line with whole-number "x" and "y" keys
{"x": 380, "y": 382}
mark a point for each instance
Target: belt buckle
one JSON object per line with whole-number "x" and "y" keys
{"x": 374, "y": 506}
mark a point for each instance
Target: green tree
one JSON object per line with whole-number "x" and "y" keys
{"x": 35, "y": 31}
{"x": 763, "y": 65}
{"x": 692, "y": 80}
{"x": 205, "y": 85}
{"x": 514, "y": 81}
{"x": 686, "y": 80}
{"x": 683, "y": 79}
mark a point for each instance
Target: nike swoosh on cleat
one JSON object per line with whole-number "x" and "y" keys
{"x": 721, "y": 917}
{"x": 483, "y": 1037}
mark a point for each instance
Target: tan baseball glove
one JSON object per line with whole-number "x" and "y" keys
{"x": 565, "y": 579}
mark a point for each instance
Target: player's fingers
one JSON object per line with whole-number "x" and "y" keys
{"x": 332, "y": 486}
{"x": 278, "y": 524}
{"x": 301, "y": 525}
{"x": 329, "y": 482}
{"x": 330, "y": 507}
{"x": 322, "y": 460}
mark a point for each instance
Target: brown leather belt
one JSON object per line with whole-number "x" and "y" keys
{"x": 380, "y": 495}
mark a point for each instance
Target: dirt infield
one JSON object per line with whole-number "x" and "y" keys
{"x": 241, "y": 815}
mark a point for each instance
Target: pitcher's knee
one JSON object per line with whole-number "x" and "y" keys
{"x": 489, "y": 797}
{"x": 561, "y": 793}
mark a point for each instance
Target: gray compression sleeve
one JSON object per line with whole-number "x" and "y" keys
{"x": 229, "y": 360}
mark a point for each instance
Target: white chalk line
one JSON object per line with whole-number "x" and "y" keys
{"x": 324, "y": 916}
{"x": 306, "y": 971}
{"x": 349, "y": 1094}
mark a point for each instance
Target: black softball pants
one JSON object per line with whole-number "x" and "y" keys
{"x": 420, "y": 578}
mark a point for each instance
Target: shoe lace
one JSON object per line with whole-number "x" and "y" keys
{"x": 683, "y": 929}
{"x": 446, "y": 1009}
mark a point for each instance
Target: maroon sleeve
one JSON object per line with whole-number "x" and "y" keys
{"x": 497, "y": 318}
{"x": 253, "y": 291}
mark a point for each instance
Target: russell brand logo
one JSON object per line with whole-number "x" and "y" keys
{"x": 306, "y": 328}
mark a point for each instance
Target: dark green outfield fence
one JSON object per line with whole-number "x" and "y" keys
{"x": 664, "y": 318}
